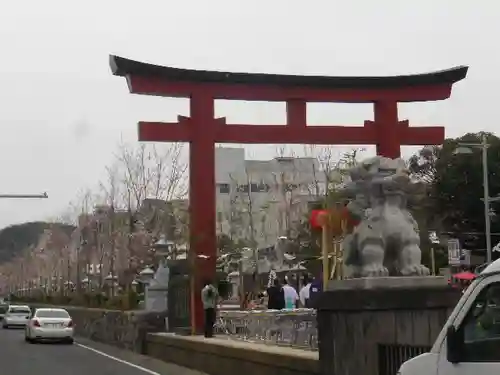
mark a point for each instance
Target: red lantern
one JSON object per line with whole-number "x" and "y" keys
{"x": 315, "y": 219}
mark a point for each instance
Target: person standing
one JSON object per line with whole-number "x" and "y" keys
{"x": 291, "y": 296}
{"x": 275, "y": 296}
{"x": 209, "y": 298}
{"x": 305, "y": 291}
{"x": 315, "y": 290}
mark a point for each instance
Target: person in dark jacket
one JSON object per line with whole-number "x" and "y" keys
{"x": 276, "y": 296}
{"x": 314, "y": 290}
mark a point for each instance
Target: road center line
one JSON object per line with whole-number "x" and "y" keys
{"x": 148, "y": 371}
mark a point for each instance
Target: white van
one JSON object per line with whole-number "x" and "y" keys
{"x": 469, "y": 342}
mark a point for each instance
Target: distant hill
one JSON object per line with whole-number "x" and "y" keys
{"x": 16, "y": 238}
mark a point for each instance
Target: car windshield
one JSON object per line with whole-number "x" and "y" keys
{"x": 52, "y": 314}
{"x": 19, "y": 310}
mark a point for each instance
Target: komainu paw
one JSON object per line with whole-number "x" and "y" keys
{"x": 374, "y": 270}
{"x": 415, "y": 270}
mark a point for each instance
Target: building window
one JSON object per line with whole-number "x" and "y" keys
{"x": 224, "y": 188}
{"x": 259, "y": 188}
{"x": 242, "y": 189}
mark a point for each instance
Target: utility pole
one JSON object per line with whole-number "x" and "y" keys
{"x": 466, "y": 148}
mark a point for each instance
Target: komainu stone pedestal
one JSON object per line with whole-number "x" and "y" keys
{"x": 371, "y": 283}
{"x": 370, "y": 326}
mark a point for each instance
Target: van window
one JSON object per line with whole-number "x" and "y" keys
{"x": 481, "y": 327}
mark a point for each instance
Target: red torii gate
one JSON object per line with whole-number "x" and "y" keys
{"x": 202, "y": 130}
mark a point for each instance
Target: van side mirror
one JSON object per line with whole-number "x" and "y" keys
{"x": 454, "y": 344}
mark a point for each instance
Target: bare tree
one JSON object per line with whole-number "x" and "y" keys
{"x": 249, "y": 207}
{"x": 289, "y": 183}
{"x": 150, "y": 172}
{"x": 111, "y": 192}
{"x": 233, "y": 212}
{"x": 333, "y": 171}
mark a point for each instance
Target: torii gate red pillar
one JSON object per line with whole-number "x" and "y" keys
{"x": 202, "y": 130}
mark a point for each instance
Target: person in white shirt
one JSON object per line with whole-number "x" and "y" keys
{"x": 291, "y": 296}
{"x": 305, "y": 292}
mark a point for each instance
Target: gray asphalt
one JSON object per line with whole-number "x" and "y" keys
{"x": 20, "y": 358}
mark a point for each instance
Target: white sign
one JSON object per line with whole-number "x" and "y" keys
{"x": 433, "y": 237}
{"x": 496, "y": 248}
{"x": 453, "y": 252}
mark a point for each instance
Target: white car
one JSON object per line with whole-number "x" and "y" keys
{"x": 50, "y": 325}
{"x": 16, "y": 316}
{"x": 3, "y": 310}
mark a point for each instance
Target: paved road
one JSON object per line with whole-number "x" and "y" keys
{"x": 83, "y": 358}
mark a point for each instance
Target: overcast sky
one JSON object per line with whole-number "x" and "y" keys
{"x": 62, "y": 112}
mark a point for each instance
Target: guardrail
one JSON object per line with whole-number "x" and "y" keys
{"x": 294, "y": 328}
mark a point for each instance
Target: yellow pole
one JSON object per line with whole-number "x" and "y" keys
{"x": 433, "y": 262}
{"x": 324, "y": 251}
{"x": 340, "y": 260}
{"x": 334, "y": 263}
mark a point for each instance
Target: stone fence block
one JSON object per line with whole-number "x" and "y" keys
{"x": 294, "y": 328}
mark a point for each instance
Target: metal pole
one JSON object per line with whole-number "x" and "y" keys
{"x": 26, "y": 196}
{"x": 113, "y": 245}
{"x": 487, "y": 227}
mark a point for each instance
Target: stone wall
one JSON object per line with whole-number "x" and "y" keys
{"x": 222, "y": 356}
{"x": 123, "y": 329}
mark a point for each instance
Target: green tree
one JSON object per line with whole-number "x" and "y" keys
{"x": 454, "y": 188}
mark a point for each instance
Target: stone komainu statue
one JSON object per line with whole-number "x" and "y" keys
{"x": 386, "y": 241}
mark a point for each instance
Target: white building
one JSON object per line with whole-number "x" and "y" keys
{"x": 259, "y": 200}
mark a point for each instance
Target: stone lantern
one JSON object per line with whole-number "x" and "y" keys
{"x": 234, "y": 280}
{"x": 53, "y": 284}
{"x": 112, "y": 283}
{"x": 86, "y": 283}
{"x": 164, "y": 248}
{"x": 134, "y": 285}
{"x": 157, "y": 290}
{"x": 146, "y": 275}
